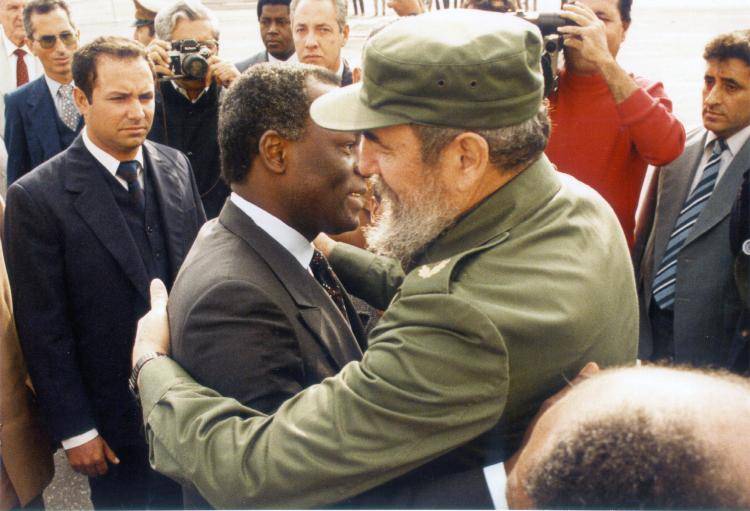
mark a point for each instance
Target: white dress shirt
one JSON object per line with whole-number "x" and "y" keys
{"x": 496, "y": 480}
{"x": 287, "y": 237}
{"x": 734, "y": 144}
{"x": 32, "y": 64}
{"x": 110, "y": 163}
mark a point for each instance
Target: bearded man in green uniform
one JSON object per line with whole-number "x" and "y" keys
{"x": 501, "y": 278}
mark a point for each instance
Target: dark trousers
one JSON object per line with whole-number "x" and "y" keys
{"x": 662, "y": 330}
{"x": 132, "y": 484}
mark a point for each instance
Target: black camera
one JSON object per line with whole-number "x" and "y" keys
{"x": 548, "y": 23}
{"x": 189, "y": 59}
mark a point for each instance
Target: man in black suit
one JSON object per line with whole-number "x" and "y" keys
{"x": 276, "y": 33}
{"x": 247, "y": 315}
{"x": 40, "y": 118}
{"x": 85, "y": 233}
{"x": 320, "y": 33}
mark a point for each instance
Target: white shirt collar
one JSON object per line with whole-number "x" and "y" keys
{"x": 734, "y": 143}
{"x": 292, "y": 59}
{"x": 10, "y": 46}
{"x": 290, "y": 239}
{"x": 108, "y": 161}
{"x": 53, "y": 85}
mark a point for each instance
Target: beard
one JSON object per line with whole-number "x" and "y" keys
{"x": 404, "y": 227}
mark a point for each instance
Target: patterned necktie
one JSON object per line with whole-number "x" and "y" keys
{"x": 128, "y": 170}
{"x": 69, "y": 113}
{"x": 666, "y": 276}
{"x": 22, "y": 72}
{"x": 323, "y": 273}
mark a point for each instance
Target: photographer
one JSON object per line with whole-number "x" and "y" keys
{"x": 187, "y": 108}
{"x": 609, "y": 125}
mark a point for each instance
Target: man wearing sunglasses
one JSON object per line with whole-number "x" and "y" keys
{"x": 41, "y": 117}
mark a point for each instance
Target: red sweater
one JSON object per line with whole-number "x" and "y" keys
{"x": 609, "y": 146}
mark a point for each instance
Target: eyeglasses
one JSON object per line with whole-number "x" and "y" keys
{"x": 69, "y": 39}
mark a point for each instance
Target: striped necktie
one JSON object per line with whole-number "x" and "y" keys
{"x": 666, "y": 276}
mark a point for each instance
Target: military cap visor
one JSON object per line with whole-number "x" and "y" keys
{"x": 457, "y": 68}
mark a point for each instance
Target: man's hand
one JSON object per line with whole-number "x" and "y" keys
{"x": 223, "y": 72}
{"x": 156, "y": 52}
{"x": 153, "y": 328}
{"x": 588, "y": 36}
{"x": 90, "y": 459}
{"x": 406, "y": 7}
{"x": 324, "y": 244}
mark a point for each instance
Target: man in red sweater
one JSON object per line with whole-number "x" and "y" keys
{"x": 607, "y": 124}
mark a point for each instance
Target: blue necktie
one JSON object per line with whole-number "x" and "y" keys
{"x": 666, "y": 276}
{"x": 128, "y": 170}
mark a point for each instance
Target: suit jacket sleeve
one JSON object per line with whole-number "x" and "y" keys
{"x": 36, "y": 268}
{"x": 200, "y": 214}
{"x": 426, "y": 385}
{"x": 657, "y": 134}
{"x": 238, "y": 342}
{"x": 19, "y": 159}
{"x": 372, "y": 278}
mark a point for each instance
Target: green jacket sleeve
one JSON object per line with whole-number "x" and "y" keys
{"x": 372, "y": 278}
{"x": 434, "y": 377}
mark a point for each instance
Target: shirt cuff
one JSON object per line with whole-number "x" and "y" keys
{"x": 78, "y": 440}
{"x": 496, "y": 480}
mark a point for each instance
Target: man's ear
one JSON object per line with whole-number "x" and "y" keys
{"x": 272, "y": 149}
{"x": 345, "y": 33}
{"x": 81, "y": 101}
{"x": 32, "y": 46}
{"x": 469, "y": 153}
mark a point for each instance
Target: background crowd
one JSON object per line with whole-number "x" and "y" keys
{"x": 81, "y": 244}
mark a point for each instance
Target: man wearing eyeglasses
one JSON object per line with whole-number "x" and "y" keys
{"x": 41, "y": 118}
{"x": 187, "y": 106}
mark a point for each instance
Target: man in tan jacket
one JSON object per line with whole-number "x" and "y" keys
{"x": 26, "y": 466}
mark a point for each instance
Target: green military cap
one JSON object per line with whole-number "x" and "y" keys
{"x": 454, "y": 68}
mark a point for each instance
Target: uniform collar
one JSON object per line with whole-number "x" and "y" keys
{"x": 500, "y": 212}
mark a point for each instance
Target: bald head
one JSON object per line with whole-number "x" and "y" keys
{"x": 641, "y": 437}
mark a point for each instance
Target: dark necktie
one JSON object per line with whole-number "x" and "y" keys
{"x": 22, "y": 72}
{"x": 323, "y": 273}
{"x": 666, "y": 277}
{"x": 128, "y": 170}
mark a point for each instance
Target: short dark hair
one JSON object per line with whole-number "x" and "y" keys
{"x": 625, "y": 6}
{"x": 266, "y": 97}
{"x": 629, "y": 461}
{"x": 262, "y": 3}
{"x": 85, "y": 59}
{"x": 733, "y": 45}
{"x": 42, "y": 7}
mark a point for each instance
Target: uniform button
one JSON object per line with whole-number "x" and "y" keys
{"x": 157, "y": 255}
{"x": 746, "y": 247}
{"x": 149, "y": 229}
{"x": 190, "y": 154}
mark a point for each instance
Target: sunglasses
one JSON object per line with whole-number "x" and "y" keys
{"x": 69, "y": 39}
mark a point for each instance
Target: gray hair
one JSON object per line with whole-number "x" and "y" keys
{"x": 509, "y": 147}
{"x": 341, "y": 7}
{"x": 192, "y": 10}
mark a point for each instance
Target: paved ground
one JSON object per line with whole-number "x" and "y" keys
{"x": 664, "y": 43}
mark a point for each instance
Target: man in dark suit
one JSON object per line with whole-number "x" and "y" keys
{"x": 276, "y": 33}
{"x": 689, "y": 301}
{"x": 40, "y": 118}
{"x": 320, "y": 33}
{"x": 247, "y": 315}
{"x": 85, "y": 233}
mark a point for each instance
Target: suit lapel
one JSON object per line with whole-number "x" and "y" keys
{"x": 316, "y": 310}
{"x": 96, "y": 205}
{"x": 723, "y": 196}
{"x": 675, "y": 183}
{"x": 169, "y": 190}
{"x": 43, "y": 117}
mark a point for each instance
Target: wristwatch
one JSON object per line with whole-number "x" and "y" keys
{"x": 133, "y": 381}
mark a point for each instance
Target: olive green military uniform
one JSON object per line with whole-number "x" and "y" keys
{"x": 503, "y": 309}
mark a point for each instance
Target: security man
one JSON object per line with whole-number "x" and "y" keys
{"x": 512, "y": 277}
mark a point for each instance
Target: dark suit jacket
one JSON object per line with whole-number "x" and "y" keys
{"x": 31, "y": 134}
{"x": 707, "y": 304}
{"x": 248, "y": 321}
{"x": 80, "y": 285}
{"x": 243, "y": 65}
{"x": 346, "y": 75}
